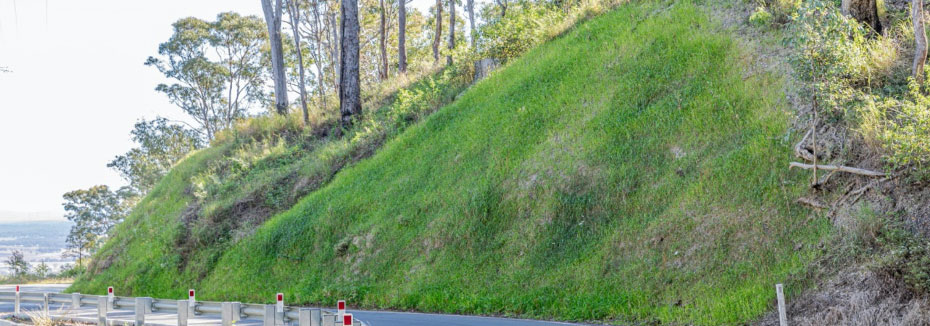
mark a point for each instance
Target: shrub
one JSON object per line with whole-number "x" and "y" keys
{"x": 760, "y": 17}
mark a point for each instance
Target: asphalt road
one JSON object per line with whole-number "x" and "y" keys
{"x": 372, "y": 318}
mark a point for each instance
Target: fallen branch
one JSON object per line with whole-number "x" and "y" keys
{"x": 802, "y": 152}
{"x": 840, "y": 168}
{"x": 811, "y": 202}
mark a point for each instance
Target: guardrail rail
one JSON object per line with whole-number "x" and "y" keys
{"x": 228, "y": 312}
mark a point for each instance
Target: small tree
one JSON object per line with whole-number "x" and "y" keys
{"x": 42, "y": 270}
{"x": 161, "y": 145}
{"x": 17, "y": 264}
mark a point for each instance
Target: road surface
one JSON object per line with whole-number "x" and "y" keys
{"x": 373, "y": 318}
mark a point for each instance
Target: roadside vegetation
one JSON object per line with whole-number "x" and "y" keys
{"x": 627, "y": 164}
{"x": 590, "y": 179}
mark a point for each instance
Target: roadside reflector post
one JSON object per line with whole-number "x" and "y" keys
{"x": 347, "y": 320}
{"x": 230, "y": 312}
{"x": 102, "y": 303}
{"x": 191, "y": 298}
{"x": 75, "y": 300}
{"x": 340, "y": 309}
{"x": 183, "y": 312}
{"x": 143, "y": 306}
{"x": 110, "y": 298}
{"x": 782, "y": 314}
{"x": 16, "y": 303}
{"x": 310, "y": 317}
{"x": 279, "y": 309}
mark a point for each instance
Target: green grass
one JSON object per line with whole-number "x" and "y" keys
{"x": 626, "y": 171}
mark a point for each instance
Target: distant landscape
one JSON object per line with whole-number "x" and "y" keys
{"x": 39, "y": 241}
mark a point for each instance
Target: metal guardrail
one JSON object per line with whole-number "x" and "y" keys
{"x": 229, "y": 312}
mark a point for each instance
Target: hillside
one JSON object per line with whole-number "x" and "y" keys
{"x": 629, "y": 170}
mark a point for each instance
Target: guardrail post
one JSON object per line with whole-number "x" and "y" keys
{"x": 16, "y": 303}
{"x": 780, "y": 294}
{"x": 329, "y": 320}
{"x": 102, "y": 303}
{"x": 143, "y": 306}
{"x": 230, "y": 312}
{"x": 184, "y": 308}
{"x": 310, "y": 317}
{"x": 45, "y": 304}
{"x": 75, "y": 300}
{"x": 268, "y": 318}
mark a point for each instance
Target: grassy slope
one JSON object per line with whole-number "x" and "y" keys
{"x": 626, "y": 170}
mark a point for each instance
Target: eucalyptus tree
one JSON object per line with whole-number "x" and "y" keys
{"x": 294, "y": 13}
{"x": 451, "y": 31}
{"x": 215, "y": 69}
{"x": 350, "y": 102}
{"x": 402, "y": 36}
{"x": 94, "y": 212}
{"x": 437, "y": 36}
{"x": 161, "y": 144}
{"x": 273, "y": 10}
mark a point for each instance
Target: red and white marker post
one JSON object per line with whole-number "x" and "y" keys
{"x": 341, "y": 308}
{"x": 16, "y": 303}
{"x": 110, "y": 298}
{"x": 279, "y": 305}
{"x": 191, "y": 298}
{"x": 347, "y": 320}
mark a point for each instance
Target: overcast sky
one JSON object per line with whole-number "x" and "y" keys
{"x": 77, "y": 87}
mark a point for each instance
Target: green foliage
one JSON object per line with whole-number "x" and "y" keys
{"x": 216, "y": 68}
{"x": 94, "y": 212}
{"x": 902, "y": 127}
{"x": 591, "y": 179}
{"x": 161, "y": 145}
{"x": 903, "y": 255}
{"x": 760, "y": 17}
{"x": 524, "y": 28}
{"x": 17, "y": 263}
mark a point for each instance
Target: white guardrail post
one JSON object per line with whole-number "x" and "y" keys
{"x": 75, "y": 301}
{"x": 310, "y": 317}
{"x": 16, "y": 303}
{"x": 184, "y": 308}
{"x": 45, "y": 304}
{"x": 143, "y": 306}
{"x": 230, "y": 312}
{"x": 102, "y": 304}
{"x": 268, "y": 318}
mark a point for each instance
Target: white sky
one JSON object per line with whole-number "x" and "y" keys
{"x": 77, "y": 87}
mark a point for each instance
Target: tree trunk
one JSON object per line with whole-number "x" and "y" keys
{"x": 471, "y": 21}
{"x": 864, "y": 11}
{"x": 318, "y": 34}
{"x": 336, "y": 45}
{"x": 295, "y": 19}
{"x": 273, "y": 20}
{"x": 920, "y": 40}
{"x": 350, "y": 103}
{"x": 451, "y": 31}
{"x": 438, "y": 37}
{"x": 402, "y": 37}
{"x": 383, "y": 71}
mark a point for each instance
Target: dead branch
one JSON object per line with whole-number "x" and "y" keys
{"x": 802, "y": 152}
{"x": 840, "y": 168}
{"x": 811, "y": 202}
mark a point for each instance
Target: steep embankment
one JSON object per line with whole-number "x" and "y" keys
{"x": 628, "y": 170}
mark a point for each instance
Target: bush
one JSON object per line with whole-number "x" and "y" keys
{"x": 760, "y": 17}
{"x": 902, "y": 128}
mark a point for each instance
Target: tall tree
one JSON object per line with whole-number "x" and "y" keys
{"x": 382, "y": 33}
{"x": 470, "y": 4}
{"x": 402, "y": 36}
{"x": 350, "y": 102}
{"x": 438, "y": 36}
{"x": 451, "y": 31}
{"x": 920, "y": 40}
{"x": 94, "y": 212}
{"x": 273, "y": 14}
{"x": 215, "y": 93}
{"x": 161, "y": 145}
{"x": 294, "y": 9}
